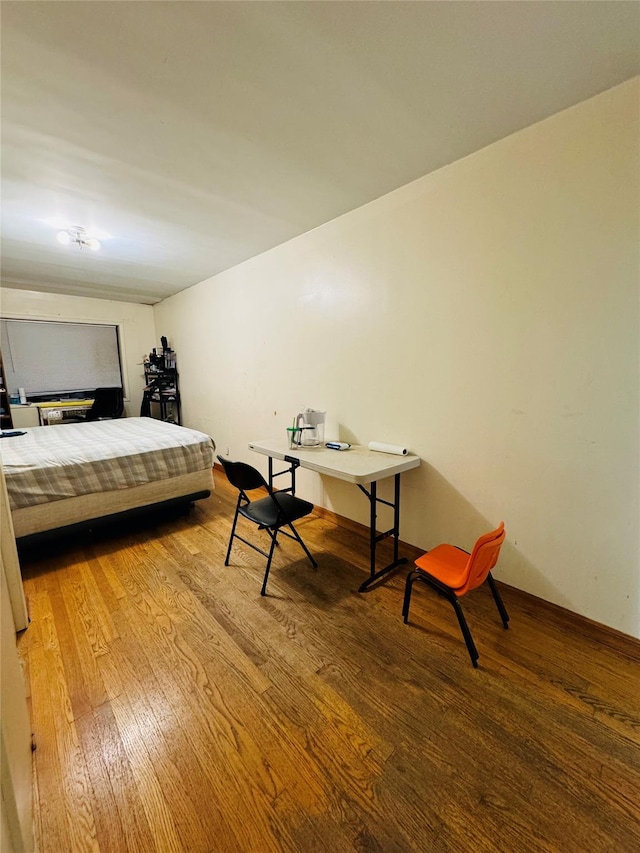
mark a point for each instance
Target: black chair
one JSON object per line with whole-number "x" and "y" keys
{"x": 272, "y": 513}
{"x": 108, "y": 404}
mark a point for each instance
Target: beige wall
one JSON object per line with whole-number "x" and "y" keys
{"x": 487, "y": 317}
{"x": 136, "y": 325}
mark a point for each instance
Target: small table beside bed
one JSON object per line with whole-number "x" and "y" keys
{"x": 74, "y": 475}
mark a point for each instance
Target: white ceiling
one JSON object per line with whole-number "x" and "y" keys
{"x": 190, "y": 136}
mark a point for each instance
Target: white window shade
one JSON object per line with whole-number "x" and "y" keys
{"x": 58, "y": 358}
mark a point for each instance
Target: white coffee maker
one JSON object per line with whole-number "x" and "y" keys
{"x": 310, "y": 423}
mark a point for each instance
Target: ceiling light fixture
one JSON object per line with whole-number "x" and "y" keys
{"x": 78, "y": 236}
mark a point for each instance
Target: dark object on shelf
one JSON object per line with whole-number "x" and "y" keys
{"x": 145, "y": 408}
{"x": 108, "y": 404}
{"x": 161, "y": 397}
{"x": 6, "y": 420}
{"x": 10, "y": 433}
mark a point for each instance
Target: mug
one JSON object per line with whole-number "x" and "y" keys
{"x": 293, "y": 437}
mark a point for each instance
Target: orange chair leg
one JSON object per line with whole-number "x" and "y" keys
{"x": 502, "y": 610}
{"x": 451, "y": 597}
{"x": 466, "y": 633}
{"x": 413, "y": 576}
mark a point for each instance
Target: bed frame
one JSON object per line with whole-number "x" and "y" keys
{"x": 41, "y": 523}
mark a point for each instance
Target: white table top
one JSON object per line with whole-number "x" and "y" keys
{"x": 356, "y": 465}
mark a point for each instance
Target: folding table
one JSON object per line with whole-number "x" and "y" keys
{"x": 357, "y": 465}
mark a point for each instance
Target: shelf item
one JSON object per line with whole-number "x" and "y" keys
{"x": 162, "y": 393}
{"x": 6, "y": 421}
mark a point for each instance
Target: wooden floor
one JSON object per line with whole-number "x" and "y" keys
{"x": 174, "y": 709}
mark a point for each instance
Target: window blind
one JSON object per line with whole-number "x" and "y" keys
{"x": 49, "y": 358}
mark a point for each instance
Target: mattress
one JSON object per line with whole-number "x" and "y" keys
{"x": 55, "y": 463}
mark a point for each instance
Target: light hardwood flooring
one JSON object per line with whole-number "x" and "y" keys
{"x": 174, "y": 709}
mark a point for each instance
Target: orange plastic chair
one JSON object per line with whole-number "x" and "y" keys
{"x": 453, "y": 573}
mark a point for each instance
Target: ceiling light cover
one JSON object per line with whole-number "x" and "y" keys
{"x": 78, "y": 236}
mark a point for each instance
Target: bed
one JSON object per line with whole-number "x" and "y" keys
{"x": 64, "y": 477}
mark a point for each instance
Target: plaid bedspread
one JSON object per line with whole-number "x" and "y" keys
{"x": 51, "y": 463}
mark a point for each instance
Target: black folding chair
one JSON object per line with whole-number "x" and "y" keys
{"x": 272, "y": 513}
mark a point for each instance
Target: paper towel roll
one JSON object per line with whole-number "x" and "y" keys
{"x": 381, "y": 447}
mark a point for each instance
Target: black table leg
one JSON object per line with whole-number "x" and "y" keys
{"x": 291, "y": 471}
{"x": 374, "y": 538}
